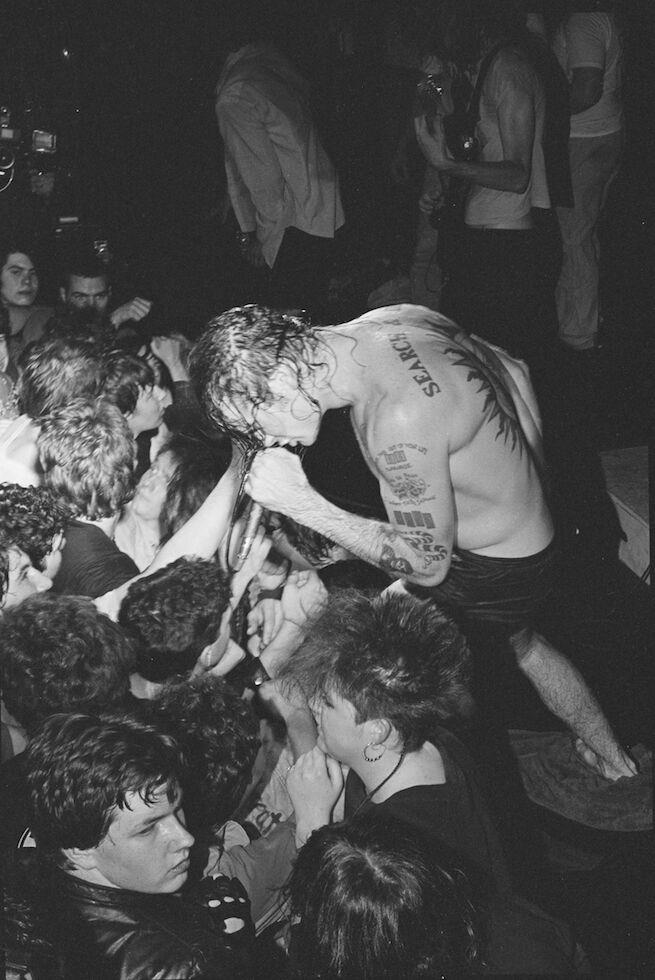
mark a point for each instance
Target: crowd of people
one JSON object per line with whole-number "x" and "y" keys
{"x": 241, "y": 734}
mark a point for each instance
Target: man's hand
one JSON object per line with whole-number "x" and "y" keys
{"x": 432, "y": 141}
{"x": 303, "y": 598}
{"x": 209, "y": 662}
{"x": 259, "y": 549}
{"x": 264, "y": 622}
{"x": 622, "y": 766}
{"x": 277, "y": 481}
{"x": 170, "y": 352}
{"x": 314, "y": 783}
{"x": 136, "y": 310}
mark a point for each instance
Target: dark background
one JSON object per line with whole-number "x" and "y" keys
{"x": 128, "y": 87}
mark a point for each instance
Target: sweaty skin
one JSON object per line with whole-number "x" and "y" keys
{"x": 443, "y": 425}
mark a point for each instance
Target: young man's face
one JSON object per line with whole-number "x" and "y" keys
{"x": 146, "y": 848}
{"x": 19, "y": 282}
{"x": 338, "y": 732}
{"x": 85, "y": 294}
{"x": 149, "y": 410}
{"x": 23, "y": 579}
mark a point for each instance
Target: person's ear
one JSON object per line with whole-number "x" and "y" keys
{"x": 378, "y": 730}
{"x": 62, "y": 294}
{"x": 82, "y": 858}
{"x": 284, "y": 377}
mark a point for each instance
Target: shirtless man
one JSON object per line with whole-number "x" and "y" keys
{"x": 450, "y": 428}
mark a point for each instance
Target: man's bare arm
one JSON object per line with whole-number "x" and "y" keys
{"x": 516, "y": 122}
{"x": 417, "y": 542}
{"x": 585, "y": 89}
{"x": 201, "y": 536}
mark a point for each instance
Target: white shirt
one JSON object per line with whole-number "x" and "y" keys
{"x": 509, "y": 72}
{"x": 591, "y": 40}
{"x": 278, "y": 173}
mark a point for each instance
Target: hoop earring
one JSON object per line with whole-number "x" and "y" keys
{"x": 376, "y": 757}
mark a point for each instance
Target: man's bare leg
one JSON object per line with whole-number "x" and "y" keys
{"x": 563, "y": 690}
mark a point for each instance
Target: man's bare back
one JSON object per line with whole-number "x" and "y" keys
{"x": 444, "y": 427}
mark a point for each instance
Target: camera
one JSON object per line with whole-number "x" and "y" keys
{"x": 461, "y": 140}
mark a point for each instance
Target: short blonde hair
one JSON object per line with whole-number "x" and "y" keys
{"x": 87, "y": 453}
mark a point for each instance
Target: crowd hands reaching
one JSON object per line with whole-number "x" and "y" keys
{"x": 313, "y": 709}
{"x": 284, "y": 749}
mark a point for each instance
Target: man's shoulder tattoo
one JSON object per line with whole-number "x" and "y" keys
{"x": 498, "y": 405}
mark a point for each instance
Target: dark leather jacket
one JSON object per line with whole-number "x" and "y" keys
{"x": 123, "y": 935}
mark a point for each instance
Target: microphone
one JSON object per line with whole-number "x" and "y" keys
{"x": 252, "y": 516}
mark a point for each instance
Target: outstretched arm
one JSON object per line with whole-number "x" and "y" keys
{"x": 202, "y": 535}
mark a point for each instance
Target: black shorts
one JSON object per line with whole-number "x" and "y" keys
{"x": 507, "y": 592}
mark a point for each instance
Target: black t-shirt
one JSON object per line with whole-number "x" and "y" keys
{"x": 15, "y": 816}
{"x": 91, "y": 563}
{"x": 453, "y": 813}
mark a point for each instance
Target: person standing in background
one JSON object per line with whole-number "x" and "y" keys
{"x": 281, "y": 183}
{"x": 588, "y": 46}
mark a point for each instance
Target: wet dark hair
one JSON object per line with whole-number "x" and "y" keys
{"x": 391, "y": 656}
{"x": 80, "y": 769}
{"x": 236, "y": 355}
{"x": 373, "y": 900}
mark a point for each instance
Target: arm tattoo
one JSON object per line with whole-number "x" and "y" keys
{"x": 425, "y": 543}
{"x": 392, "y": 563}
{"x": 408, "y": 487}
{"x": 413, "y": 518}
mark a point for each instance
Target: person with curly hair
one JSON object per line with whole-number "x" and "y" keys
{"x": 87, "y": 455}
{"x": 109, "y": 823}
{"x": 58, "y": 654}
{"x": 129, "y": 383}
{"x": 174, "y": 616}
{"x": 219, "y": 734}
{"x": 53, "y": 372}
{"x": 33, "y": 519}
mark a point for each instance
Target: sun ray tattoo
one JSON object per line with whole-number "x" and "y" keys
{"x": 497, "y": 403}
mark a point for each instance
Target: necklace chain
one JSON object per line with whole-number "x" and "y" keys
{"x": 369, "y": 796}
